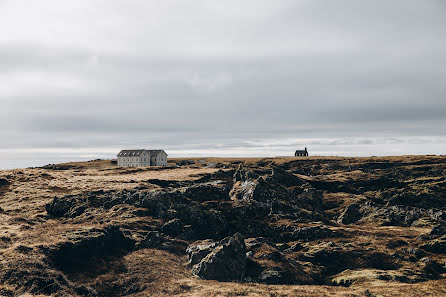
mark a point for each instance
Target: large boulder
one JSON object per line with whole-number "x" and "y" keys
{"x": 266, "y": 263}
{"x": 222, "y": 261}
{"x": 351, "y": 214}
{"x": 286, "y": 178}
{"x": 59, "y": 206}
{"x": 197, "y": 252}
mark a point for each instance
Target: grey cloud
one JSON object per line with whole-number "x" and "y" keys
{"x": 227, "y": 76}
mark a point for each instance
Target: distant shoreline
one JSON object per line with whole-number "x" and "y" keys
{"x": 43, "y": 162}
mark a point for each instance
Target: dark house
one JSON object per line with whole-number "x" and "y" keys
{"x": 301, "y": 153}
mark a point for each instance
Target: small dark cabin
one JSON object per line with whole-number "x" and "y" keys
{"x": 301, "y": 153}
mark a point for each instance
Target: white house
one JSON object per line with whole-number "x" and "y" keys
{"x": 142, "y": 158}
{"x": 158, "y": 158}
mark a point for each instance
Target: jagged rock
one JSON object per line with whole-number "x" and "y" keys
{"x": 270, "y": 277}
{"x": 241, "y": 174}
{"x": 285, "y": 178}
{"x": 174, "y": 246}
{"x": 336, "y": 257}
{"x": 206, "y": 224}
{"x": 158, "y": 202}
{"x": 295, "y": 247}
{"x": 438, "y": 230}
{"x": 269, "y": 195}
{"x": 286, "y": 218}
{"x": 152, "y": 239}
{"x": 394, "y": 243}
{"x": 243, "y": 190}
{"x": 185, "y": 162}
{"x": 207, "y": 192}
{"x": 396, "y": 215}
{"x": 292, "y": 210}
{"x": 60, "y": 167}
{"x": 310, "y": 198}
{"x": 226, "y": 261}
{"x": 431, "y": 268}
{"x": 267, "y": 264}
{"x": 173, "y": 227}
{"x": 437, "y": 246}
{"x": 256, "y": 242}
{"x": 197, "y": 252}
{"x": 249, "y": 186}
{"x": 59, "y": 206}
{"x": 84, "y": 248}
{"x": 415, "y": 254}
{"x": 351, "y": 214}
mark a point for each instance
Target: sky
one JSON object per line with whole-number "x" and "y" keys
{"x": 83, "y": 79}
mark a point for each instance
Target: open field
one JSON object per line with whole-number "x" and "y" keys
{"x": 312, "y": 226}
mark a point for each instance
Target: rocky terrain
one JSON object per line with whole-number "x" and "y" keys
{"x": 226, "y": 227}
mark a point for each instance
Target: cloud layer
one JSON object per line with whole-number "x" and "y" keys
{"x": 207, "y": 74}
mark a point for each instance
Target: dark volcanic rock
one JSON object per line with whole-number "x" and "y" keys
{"x": 173, "y": 227}
{"x": 152, "y": 239}
{"x": 185, "y": 162}
{"x": 435, "y": 246}
{"x": 438, "y": 230}
{"x": 271, "y": 277}
{"x": 226, "y": 260}
{"x": 60, "y": 167}
{"x": 197, "y": 252}
{"x": 431, "y": 268}
{"x": 395, "y": 215}
{"x": 310, "y": 199}
{"x": 84, "y": 249}
{"x": 207, "y": 192}
{"x": 4, "y": 182}
{"x": 351, "y": 214}
{"x": 286, "y": 178}
{"x": 288, "y": 221}
{"x": 313, "y": 232}
{"x": 59, "y": 206}
{"x": 335, "y": 257}
{"x": 267, "y": 264}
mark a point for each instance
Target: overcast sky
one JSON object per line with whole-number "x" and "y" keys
{"x": 223, "y": 77}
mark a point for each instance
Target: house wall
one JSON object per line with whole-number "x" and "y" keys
{"x": 159, "y": 160}
{"x": 142, "y": 160}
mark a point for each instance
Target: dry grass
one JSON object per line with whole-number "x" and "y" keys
{"x": 24, "y": 222}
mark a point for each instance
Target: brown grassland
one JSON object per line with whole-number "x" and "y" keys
{"x": 400, "y": 200}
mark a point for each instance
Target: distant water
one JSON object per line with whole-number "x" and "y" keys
{"x": 25, "y": 163}
{"x": 23, "y": 158}
{"x": 20, "y": 159}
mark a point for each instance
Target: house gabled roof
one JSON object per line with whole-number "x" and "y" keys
{"x": 155, "y": 153}
{"x": 130, "y": 153}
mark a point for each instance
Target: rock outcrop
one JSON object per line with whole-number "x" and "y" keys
{"x": 318, "y": 222}
{"x": 223, "y": 261}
